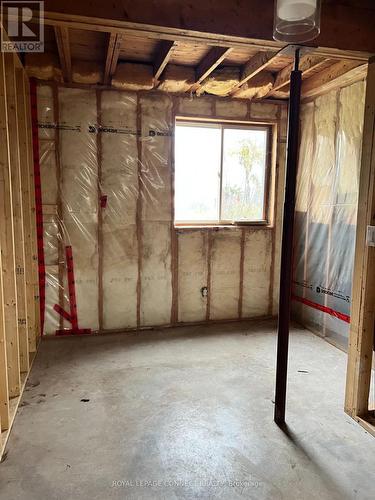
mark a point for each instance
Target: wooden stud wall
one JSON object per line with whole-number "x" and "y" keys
{"x": 34, "y": 278}
{"x": 361, "y": 339}
{"x": 271, "y": 113}
{"x": 14, "y": 146}
{"x": 19, "y": 300}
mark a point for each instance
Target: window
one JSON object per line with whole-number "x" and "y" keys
{"x": 220, "y": 173}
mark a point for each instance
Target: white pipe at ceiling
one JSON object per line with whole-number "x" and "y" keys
{"x": 296, "y": 21}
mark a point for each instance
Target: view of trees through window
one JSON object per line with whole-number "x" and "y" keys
{"x": 219, "y": 172}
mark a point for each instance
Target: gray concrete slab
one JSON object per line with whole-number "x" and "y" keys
{"x": 186, "y": 413}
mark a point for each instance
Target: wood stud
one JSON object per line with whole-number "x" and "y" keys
{"x": 256, "y": 64}
{"x": 219, "y": 48}
{"x": 163, "y": 55}
{"x": 309, "y": 65}
{"x": 26, "y": 207}
{"x": 63, "y": 47}
{"x": 113, "y": 52}
{"x": 100, "y": 209}
{"x": 32, "y": 215}
{"x": 19, "y": 305}
{"x": 13, "y": 119}
{"x": 209, "y": 63}
{"x": 340, "y": 74}
{"x": 361, "y": 337}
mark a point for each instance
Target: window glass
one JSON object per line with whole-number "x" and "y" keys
{"x": 220, "y": 173}
{"x": 244, "y": 165}
{"x": 197, "y": 172}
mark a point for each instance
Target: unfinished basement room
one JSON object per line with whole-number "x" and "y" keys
{"x": 187, "y": 249}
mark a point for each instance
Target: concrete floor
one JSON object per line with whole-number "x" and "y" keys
{"x": 185, "y": 413}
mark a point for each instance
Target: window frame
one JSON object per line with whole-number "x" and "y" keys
{"x": 222, "y": 125}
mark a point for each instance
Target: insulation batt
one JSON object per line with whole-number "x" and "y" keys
{"x": 257, "y": 274}
{"x": 119, "y": 184}
{"x": 86, "y": 72}
{"x": 43, "y": 66}
{"x": 326, "y": 207}
{"x": 225, "y": 274}
{"x": 79, "y": 196}
{"x": 129, "y": 76}
{"x": 257, "y": 87}
{"x": 114, "y": 181}
{"x": 177, "y": 78}
{"x": 49, "y": 184}
{"x": 230, "y": 108}
{"x": 156, "y": 214}
{"x": 192, "y": 255}
{"x": 220, "y": 82}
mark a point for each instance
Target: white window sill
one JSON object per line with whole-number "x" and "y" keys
{"x": 243, "y": 225}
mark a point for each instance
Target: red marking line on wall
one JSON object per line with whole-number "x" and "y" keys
{"x": 325, "y": 309}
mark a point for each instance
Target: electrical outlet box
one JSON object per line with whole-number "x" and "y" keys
{"x": 370, "y": 236}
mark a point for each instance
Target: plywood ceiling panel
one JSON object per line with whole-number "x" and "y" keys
{"x": 49, "y": 40}
{"x": 197, "y": 58}
{"x": 279, "y": 63}
{"x": 189, "y": 54}
{"x": 239, "y": 57}
{"x": 87, "y": 45}
{"x": 138, "y": 49}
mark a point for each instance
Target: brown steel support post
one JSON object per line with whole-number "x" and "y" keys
{"x": 287, "y": 243}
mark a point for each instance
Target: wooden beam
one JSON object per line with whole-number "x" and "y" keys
{"x": 99, "y": 155}
{"x": 4, "y": 394}
{"x": 368, "y": 423}
{"x": 63, "y": 47}
{"x": 113, "y": 52}
{"x": 26, "y": 206}
{"x": 252, "y": 16}
{"x": 361, "y": 337}
{"x": 254, "y": 66}
{"x": 154, "y": 32}
{"x": 15, "y": 233}
{"x": 209, "y": 63}
{"x": 108, "y": 60}
{"x": 18, "y": 210}
{"x": 308, "y": 64}
{"x": 340, "y": 74}
{"x": 258, "y": 87}
{"x": 7, "y": 243}
{"x": 32, "y": 215}
{"x": 164, "y": 53}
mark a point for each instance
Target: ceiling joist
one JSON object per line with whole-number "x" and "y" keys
{"x": 258, "y": 87}
{"x": 338, "y": 75}
{"x": 307, "y": 65}
{"x": 265, "y": 74}
{"x": 209, "y": 63}
{"x": 63, "y": 47}
{"x": 84, "y": 22}
{"x": 113, "y": 52}
{"x": 256, "y": 64}
{"x": 164, "y": 53}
